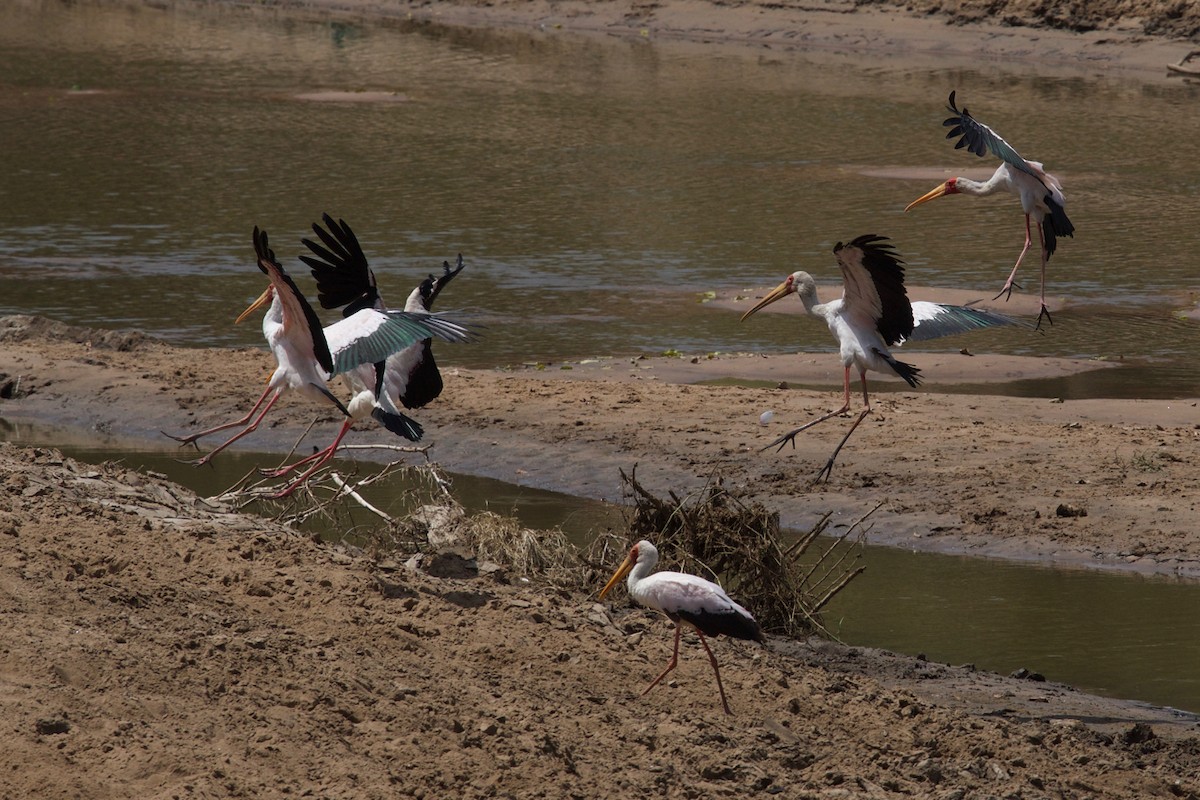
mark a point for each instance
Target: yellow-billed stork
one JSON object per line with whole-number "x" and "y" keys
{"x": 684, "y": 599}
{"x": 873, "y": 313}
{"x": 307, "y": 355}
{"x": 1040, "y": 192}
{"x": 345, "y": 280}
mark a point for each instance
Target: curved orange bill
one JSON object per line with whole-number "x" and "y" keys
{"x": 780, "y": 291}
{"x": 930, "y": 195}
{"x": 618, "y": 576}
{"x": 262, "y": 300}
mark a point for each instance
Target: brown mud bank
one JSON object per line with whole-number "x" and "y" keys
{"x": 161, "y": 645}
{"x": 1101, "y": 483}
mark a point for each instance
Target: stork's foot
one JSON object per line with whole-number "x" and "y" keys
{"x": 826, "y": 471}
{"x": 196, "y": 462}
{"x": 286, "y": 491}
{"x": 1045, "y": 312}
{"x": 782, "y": 441}
{"x": 1007, "y": 290}
{"x": 184, "y": 441}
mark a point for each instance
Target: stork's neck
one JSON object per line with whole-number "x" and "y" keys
{"x": 647, "y": 561}
{"x": 273, "y": 320}
{"x": 808, "y": 295}
{"x": 981, "y": 188}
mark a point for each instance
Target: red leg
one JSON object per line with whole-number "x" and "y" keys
{"x": 318, "y": 460}
{"x": 191, "y": 438}
{"x": 245, "y": 431}
{"x": 790, "y": 436}
{"x": 670, "y": 666}
{"x": 828, "y": 468}
{"x": 713, "y": 660}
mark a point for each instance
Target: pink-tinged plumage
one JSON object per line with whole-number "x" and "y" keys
{"x": 1040, "y": 193}
{"x": 687, "y": 599}
{"x": 873, "y": 314}
{"x": 307, "y": 355}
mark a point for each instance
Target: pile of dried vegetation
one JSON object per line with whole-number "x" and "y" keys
{"x": 717, "y": 533}
{"x": 714, "y": 532}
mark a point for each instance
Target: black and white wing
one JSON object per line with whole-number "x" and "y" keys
{"x": 413, "y": 376}
{"x": 873, "y": 275}
{"x": 296, "y": 308}
{"x": 980, "y": 139}
{"x": 422, "y": 297}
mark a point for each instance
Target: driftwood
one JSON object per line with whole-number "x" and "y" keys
{"x": 716, "y": 531}
{"x": 1181, "y": 67}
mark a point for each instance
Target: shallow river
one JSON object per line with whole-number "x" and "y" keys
{"x": 597, "y": 188}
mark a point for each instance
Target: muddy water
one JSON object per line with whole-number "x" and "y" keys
{"x": 597, "y": 188}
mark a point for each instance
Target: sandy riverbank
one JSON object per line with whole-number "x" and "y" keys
{"x": 160, "y": 645}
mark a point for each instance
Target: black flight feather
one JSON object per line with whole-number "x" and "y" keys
{"x": 729, "y": 623}
{"x": 887, "y": 273}
{"x": 340, "y": 268}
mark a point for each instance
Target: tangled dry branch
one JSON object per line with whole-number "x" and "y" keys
{"x": 716, "y": 532}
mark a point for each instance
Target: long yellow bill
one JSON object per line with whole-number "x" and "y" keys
{"x": 262, "y": 300}
{"x": 618, "y": 576}
{"x": 780, "y": 291}
{"x": 931, "y": 195}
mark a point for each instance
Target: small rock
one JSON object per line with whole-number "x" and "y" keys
{"x": 1070, "y": 510}
{"x": 49, "y": 726}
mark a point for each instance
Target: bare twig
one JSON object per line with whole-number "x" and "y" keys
{"x": 349, "y": 491}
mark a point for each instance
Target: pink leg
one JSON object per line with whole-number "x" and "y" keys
{"x": 191, "y": 438}
{"x": 318, "y": 460}
{"x": 1009, "y": 284}
{"x": 670, "y": 666}
{"x": 790, "y": 436}
{"x": 828, "y": 468}
{"x": 713, "y": 660}
{"x": 247, "y": 430}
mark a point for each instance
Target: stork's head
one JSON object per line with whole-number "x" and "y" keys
{"x": 263, "y": 299}
{"x": 795, "y": 283}
{"x": 641, "y": 552}
{"x": 949, "y": 187}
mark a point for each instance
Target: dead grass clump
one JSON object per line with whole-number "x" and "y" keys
{"x": 545, "y": 555}
{"x": 432, "y": 520}
{"x": 715, "y": 532}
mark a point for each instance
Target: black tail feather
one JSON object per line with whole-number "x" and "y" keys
{"x": 907, "y": 371}
{"x": 1055, "y": 226}
{"x": 399, "y": 424}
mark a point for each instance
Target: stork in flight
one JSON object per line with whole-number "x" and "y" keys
{"x": 1040, "y": 192}
{"x": 345, "y": 280}
{"x": 872, "y": 314}
{"x": 684, "y": 599}
{"x": 307, "y": 355}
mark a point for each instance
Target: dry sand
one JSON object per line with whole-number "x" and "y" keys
{"x": 158, "y": 645}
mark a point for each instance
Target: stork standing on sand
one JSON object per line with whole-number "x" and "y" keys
{"x": 685, "y": 599}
